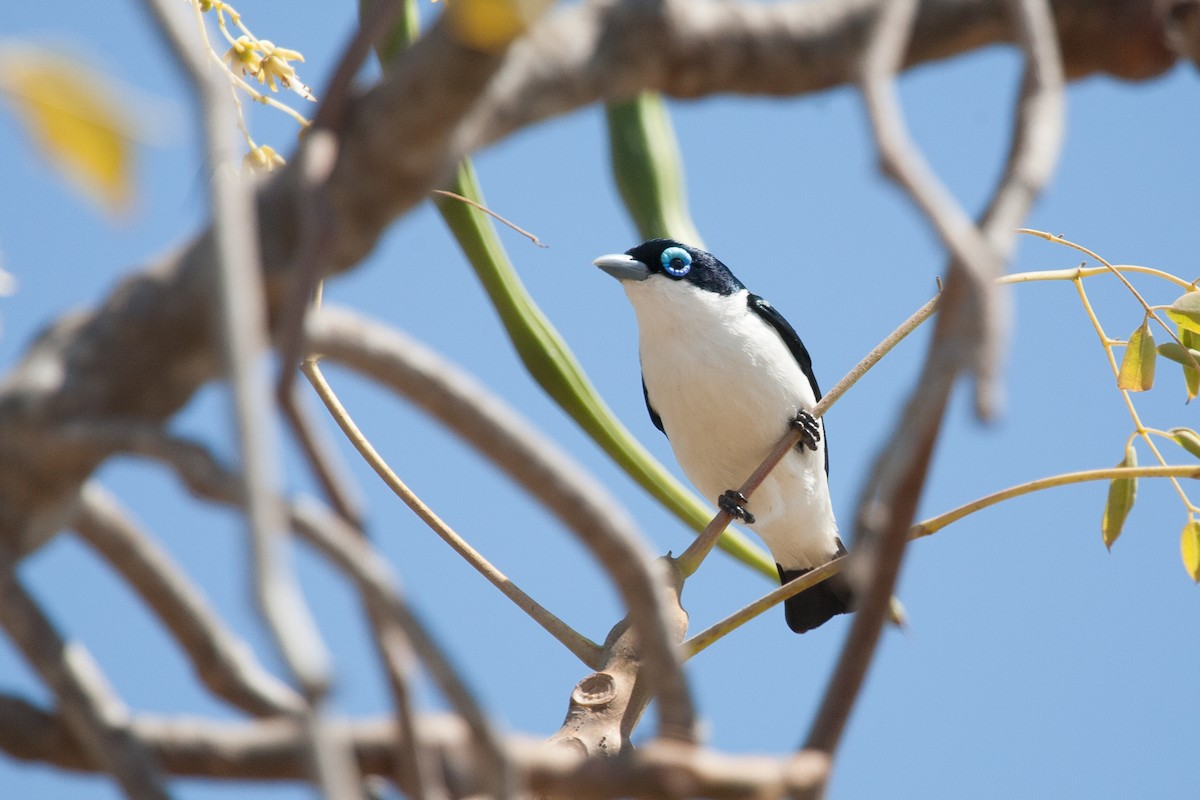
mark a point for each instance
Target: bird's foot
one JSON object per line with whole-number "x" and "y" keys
{"x": 810, "y": 429}
{"x": 735, "y": 502}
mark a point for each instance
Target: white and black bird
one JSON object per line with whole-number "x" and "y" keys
{"x": 724, "y": 375}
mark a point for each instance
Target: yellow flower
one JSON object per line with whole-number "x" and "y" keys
{"x": 262, "y": 159}
{"x": 243, "y": 58}
{"x": 275, "y": 66}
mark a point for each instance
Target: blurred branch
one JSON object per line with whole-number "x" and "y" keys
{"x": 147, "y": 349}
{"x": 886, "y": 510}
{"x": 243, "y": 337}
{"x": 89, "y": 711}
{"x": 496, "y": 431}
{"x": 224, "y": 663}
{"x": 371, "y": 574}
{"x": 275, "y": 750}
{"x": 206, "y": 478}
{"x": 583, "y": 648}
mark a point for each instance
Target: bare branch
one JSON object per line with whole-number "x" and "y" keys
{"x": 583, "y": 648}
{"x": 371, "y": 575}
{"x": 541, "y": 468}
{"x": 223, "y": 662}
{"x": 274, "y": 750}
{"x": 91, "y": 712}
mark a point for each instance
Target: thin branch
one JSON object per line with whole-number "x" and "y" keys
{"x": 582, "y": 504}
{"x": 223, "y": 662}
{"x": 580, "y": 646}
{"x": 90, "y": 711}
{"x": 370, "y": 573}
{"x": 481, "y": 207}
{"x": 927, "y": 527}
{"x": 935, "y": 524}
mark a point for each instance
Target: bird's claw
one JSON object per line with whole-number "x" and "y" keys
{"x": 735, "y": 502}
{"x": 810, "y": 429}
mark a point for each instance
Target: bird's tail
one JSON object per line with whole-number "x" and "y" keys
{"x": 818, "y": 604}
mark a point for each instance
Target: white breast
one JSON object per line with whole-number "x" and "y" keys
{"x": 725, "y": 386}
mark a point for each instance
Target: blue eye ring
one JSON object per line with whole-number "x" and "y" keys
{"x": 676, "y": 262}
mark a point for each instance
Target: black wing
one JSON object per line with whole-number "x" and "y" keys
{"x": 654, "y": 417}
{"x": 769, "y": 315}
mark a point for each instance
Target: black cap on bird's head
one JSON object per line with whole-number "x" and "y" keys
{"x": 674, "y": 261}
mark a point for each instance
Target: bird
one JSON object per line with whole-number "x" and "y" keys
{"x": 724, "y": 375}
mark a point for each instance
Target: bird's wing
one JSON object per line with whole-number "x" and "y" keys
{"x": 654, "y": 417}
{"x": 788, "y": 334}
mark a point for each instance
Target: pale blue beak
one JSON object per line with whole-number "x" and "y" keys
{"x": 623, "y": 267}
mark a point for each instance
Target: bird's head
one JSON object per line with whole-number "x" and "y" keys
{"x": 663, "y": 260}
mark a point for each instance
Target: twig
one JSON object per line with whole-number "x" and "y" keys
{"x": 481, "y": 207}
{"x": 541, "y": 468}
{"x": 580, "y": 646}
{"x": 90, "y": 710}
{"x": 223, "y": 662}
{"x": 927, "y": 527}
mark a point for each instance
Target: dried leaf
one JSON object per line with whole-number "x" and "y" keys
{"x": 1137, "y": 366}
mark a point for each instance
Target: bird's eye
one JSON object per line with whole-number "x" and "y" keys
{"x": 676, "y": 261}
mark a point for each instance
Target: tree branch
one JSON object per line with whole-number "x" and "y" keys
{"x": 542, "y": 469}
{"x": 224, "y": 663}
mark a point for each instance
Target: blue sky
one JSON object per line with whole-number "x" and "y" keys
{"x": 1037, "y": 663}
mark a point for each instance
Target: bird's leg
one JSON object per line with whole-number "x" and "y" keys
{"x": 810, "y": 429}
{"x": 735, "y": 502}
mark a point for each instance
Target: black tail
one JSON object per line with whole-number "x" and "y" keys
{"x": 818, "y": 604}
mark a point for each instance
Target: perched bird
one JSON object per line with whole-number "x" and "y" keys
{"x": 724, "y": 375}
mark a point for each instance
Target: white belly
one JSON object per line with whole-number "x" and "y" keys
{"x": 725, "y": 386}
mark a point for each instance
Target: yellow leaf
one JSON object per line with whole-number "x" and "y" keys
{"x": 71, "y": 116}
{"x": 1121, "y": 494}
{"x": 1137, "y": 367}
{"x": 1189, "y": 546}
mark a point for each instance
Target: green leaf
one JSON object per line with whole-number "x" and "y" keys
{"x": 648, "y": 168}
{"x": 1189, "y": 547}
{"x": 1186, "y": 311}
{"x": 1177, "y": 353}
{"x": 1121, "y": 494}
{"x": 1188, "y": 439}
{"x": 1137, "y": 367}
